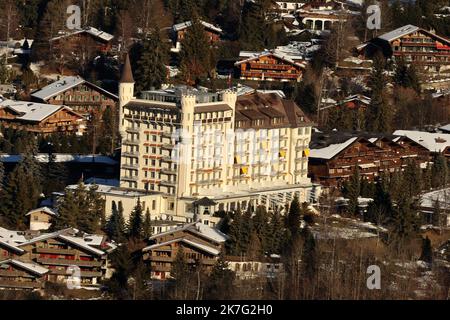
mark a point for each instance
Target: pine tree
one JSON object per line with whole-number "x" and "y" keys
{"x": 437, "y": 211}
{"x": 439, "y": 171}
{"x": 251, "y": 35}
{"x": 427, "y": 251}
{"x": 246, "y": 231}
{"x": 404, "y": 222}
{"x": 220, "y": 281}
{"x": 147, "y": 225}
{"x": 197, "y": 56}
{"x": 22, "y": 190}
{"x": 233, "y": 244}
{"x": 135, "y": 224}
{"x": 68, "y": 212}
{"x": 411, "y": 179}
{"x": 378, "y": 114}
{"x": 260, "y": 224}
{"x": 276, "y": 234}
{"x": 406, "y": 76}
{"x": 309, "y": 255}
{"x": 115, "y": 227}
{"x": 2, "y": 176}
{"x": 294, "y": 217}
{"x": 122, "y": 263}
{"x": 54, "y": 175}
{"x": 151, "y": 71}
{"x": 353, "y": 192}
{"x": 180, "y": 272}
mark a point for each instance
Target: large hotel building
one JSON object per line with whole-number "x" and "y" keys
{"x": 184, "y": 144}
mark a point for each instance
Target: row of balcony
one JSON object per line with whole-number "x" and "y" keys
{"x": 64, "y": 262}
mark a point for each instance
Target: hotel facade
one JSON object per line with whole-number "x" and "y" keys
{"x": 184, "y": 144}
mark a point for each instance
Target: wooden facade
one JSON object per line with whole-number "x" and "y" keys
{"x": 197, "y": 249}
{"x": 371, "y": 157}
{"x": 56, "y": 256}
{"x": 424, "y": 49}
{"x": 14, "y": 276}
{"x": 63, "y": 120}
{"x": 85, "y": 98}
{"x": 81, "y": 41}
{"x": 270, "y": 67}
{"x": 212, "y": 35}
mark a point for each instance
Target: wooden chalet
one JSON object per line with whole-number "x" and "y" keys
{"x": 269, "y": 66}
{"x": 52, "y": 257}
{"x": 78, "y": 40}
{"x": 200, "y": 244}
{"x": 42, "y": 119}
{"x": 82, "y": 96}
{"x": 423, "y": 48}
{"x": 213, "y": 33}
{"x": 15, "y": 274}
{"x": 333, "y": 162}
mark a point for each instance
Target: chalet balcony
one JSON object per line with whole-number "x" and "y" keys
{"x": 160, "y": 259}
{"x": 5, "y": 273}
{"x": 56, "y": 251}
{"x": 274, "y": 75}
{"x": 267, "y": 66}
{"x": 20, "y": 284}
{"x": 64, "y": 262}
{"x": 83, "y": 274}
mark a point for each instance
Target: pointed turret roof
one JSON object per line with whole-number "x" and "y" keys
{"x": 127, "y": 73}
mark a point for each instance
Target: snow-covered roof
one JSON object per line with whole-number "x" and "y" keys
{"x": 445, "y": 128}
{"x": 43, "y": 209}
{"x": 428, "y": 200}
{"x": 84, "y": 243}
{"x": 62, "y": 85}
{"x": 31, "y": 111}
{"x": 11, "y": 237}
{"x": 332, "y": 150}
{"x": 34, "y": 268}
{"x": 187, "y": 24}
{"x": 434, "y": 142}
{"x": 199, "y": 228}
{"x": 200, "y": 246}
{"x": 250, "y": 56}
{"x": 89, "y": 30}
{"x": 107, "y": 189}
{"x": 399, "y": 32}
{"x": 60, "y": 158}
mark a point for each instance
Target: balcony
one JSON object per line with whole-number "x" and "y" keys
{"x": 129, "y": 178}
{"x": 56, "y": 251}
{"x": 249, "y": 74}
{"x": 133, "y": 130}
{"x": 168, "y": 146}
{"x": 268, "y": 66}
{"x": 168, "y": 183}
{"x": 83, "y": 274}
{"x": 168, "y": 171}
{"x": 130, "y": 142}
{"x": 20, "y": 284}
{"x": 130, "y": 166}
{"x": 131, "y": 154}
{"x": 159, "y": 259}
{"x": 64, "y": 262}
